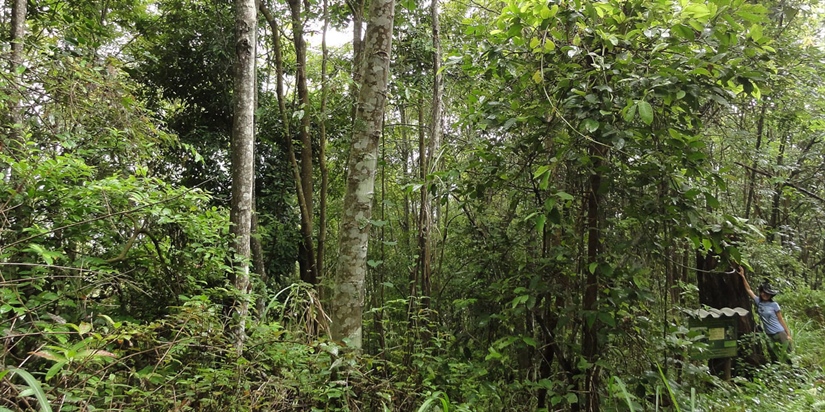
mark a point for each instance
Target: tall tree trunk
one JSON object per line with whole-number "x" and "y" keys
{"x": 773, "y": 225}
{"x": 322, "y": 151}
{"x": 18, "y": 32}
{"x": 422, "y": 272}
{"x": 243, "y": 164}
{"x": 348, "y": 293}
{"x": 306, "y": 235}
{"x": 406, "y": 173}
{"x": 307, "y": 261}
{"x": 357, "y": 9}
{"x": 760, "y": 127}
{"x": 590, "y": 327}
{"x": 434, "y": 143}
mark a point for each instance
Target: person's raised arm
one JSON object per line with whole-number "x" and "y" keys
{"x": 745, "y": 281}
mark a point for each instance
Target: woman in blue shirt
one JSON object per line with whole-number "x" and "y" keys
{"x": 770, "y": 314}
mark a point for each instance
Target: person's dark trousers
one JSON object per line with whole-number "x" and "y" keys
{"x": 780, "y": 347}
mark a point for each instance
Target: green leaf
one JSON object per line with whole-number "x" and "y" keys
{"x": 55, "y": 369}
{"x": 630, "y": 112}
{"x": 683, "y": 31}
{"x": 698, "y": 11}
{"x": 538, "y": 77}
{"x": 607, "y": 319}
{"x": 592, "y": 267}
{"x": 755, "y": 32}
{"x": 590, "y": 125}
{"x": 540, "y": 221}
{"x": 712, "y": 201}
{"x": 540, "y": 171}
{"x": 645, "y": 111}
{"x": 84, "y": 328}
{"x": 623, "y": 388}
{"x": 564, "y": 195}
{"x": 34, "y": 384}
{"x": 428, "y": 404}
{"x": 549, "y": 12}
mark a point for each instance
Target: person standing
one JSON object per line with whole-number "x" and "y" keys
{"x": 771, "y": 316}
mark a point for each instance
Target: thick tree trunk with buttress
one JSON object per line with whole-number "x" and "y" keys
{"x": 242, "y": 167}
{"x": 348, "y": 288}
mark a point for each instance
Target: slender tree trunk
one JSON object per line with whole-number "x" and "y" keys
{"x": 306, "y": 235}
{"x": 258, "y": 265}
{"x": 423, "y": 264}
{"x": 590, "y": 332}
{"x": 307, "y": 261}
{"x": 760, "y": 127}
{"x": 256, "y": 249}
{"x": 432, "y": 147}
{"x": 773, "y": 225}
{"x": 322, "y": 151}
{"x": 18, "y": 32}
{"x": 407, "y": 173}
{"x": 348, "y": 293}
{"x": 243, "y": 165}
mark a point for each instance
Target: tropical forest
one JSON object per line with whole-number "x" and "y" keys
{"x": 412, "y": 205}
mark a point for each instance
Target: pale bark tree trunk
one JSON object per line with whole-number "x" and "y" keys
{"x": 348, "y": 289}
{"x": 18, "y": 31}
{"x": 242, "y": 168}
{"x": 435, "y": 138}
{"x": 357, "y": 9}
{"x": 307, "y": 261}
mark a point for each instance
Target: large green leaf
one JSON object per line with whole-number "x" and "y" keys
{"x": 645, "y": 111}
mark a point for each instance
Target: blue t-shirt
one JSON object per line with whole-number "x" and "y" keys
{"x": 767, "y": 314}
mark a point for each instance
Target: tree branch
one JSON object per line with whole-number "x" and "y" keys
{"x": 801, "y": 190}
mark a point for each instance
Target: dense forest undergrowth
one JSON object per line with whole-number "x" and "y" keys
{"x": 518, "y": 216}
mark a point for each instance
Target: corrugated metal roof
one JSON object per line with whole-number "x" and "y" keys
{"x": 717, "y": 313}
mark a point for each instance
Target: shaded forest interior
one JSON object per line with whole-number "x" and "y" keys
{"x": 330, "y": 205}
